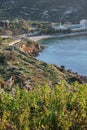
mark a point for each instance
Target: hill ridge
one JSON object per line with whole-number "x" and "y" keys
{"x": 54, "y": 10}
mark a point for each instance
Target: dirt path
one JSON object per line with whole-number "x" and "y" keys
{"x": 14, "y": 42}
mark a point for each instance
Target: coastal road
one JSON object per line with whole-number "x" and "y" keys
{"x": 37, "y": 38}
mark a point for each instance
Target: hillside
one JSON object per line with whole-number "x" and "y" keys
{"x": 18, "y": 66}
{"x": 45, "y": 10}
{"x": 53, "y": 101}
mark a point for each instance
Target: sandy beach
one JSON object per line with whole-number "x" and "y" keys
{"x": 38, "y": 38}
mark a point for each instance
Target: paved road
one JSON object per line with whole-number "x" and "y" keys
{"x": 37, "y": 38}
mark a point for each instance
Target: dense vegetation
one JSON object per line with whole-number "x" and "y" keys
{"x": 45, "y": 10}
{"x": 18, "y": 27}
{"x": 44, "y": 108}
{"x": 14, "y": 27}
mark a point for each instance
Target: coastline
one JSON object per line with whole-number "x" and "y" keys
{"x": 38, "y": 38}
{"x": 70, "y": 74}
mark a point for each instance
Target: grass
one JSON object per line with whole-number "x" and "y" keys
{"x": 5, "y": 40}
{"x": 24, "y": 67}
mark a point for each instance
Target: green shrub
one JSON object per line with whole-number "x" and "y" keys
{"x": 44, "y": 108}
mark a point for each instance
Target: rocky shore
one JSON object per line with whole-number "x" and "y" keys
{"x": 70, "y": 76}
{"x": 34, "y": 72}
{"x": 19, "y": 66}
{"x": 32, "y": 48}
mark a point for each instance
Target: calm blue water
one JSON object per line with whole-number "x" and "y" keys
{"x": 70, "y": 51}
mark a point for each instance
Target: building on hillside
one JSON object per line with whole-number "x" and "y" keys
{"x": 59, "y": 27}
{"x": 5, "y": 21}
{"x": 72, "y": 26}
{"x": 82, "y": 26}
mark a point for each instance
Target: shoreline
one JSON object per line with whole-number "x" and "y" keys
{"x": 38, "y": 38}
{"x": 75, "y": 76}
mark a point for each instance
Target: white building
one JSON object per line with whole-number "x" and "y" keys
{"x": 73, "y": 27}
{"x": 83, "y": 24}
{"x": 59, "y": 27}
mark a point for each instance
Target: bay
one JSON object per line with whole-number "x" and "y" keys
{"x": 68, "y": 51}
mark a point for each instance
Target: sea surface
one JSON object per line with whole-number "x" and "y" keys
{"x": 68, "y": 51}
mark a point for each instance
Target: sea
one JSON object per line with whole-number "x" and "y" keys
{"x": 68, "y": 51}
